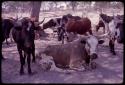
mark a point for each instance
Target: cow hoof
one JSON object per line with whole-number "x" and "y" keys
{"x": 33, "y": 61}
{"x": 93, "y": 65}
{"x": 22, "y": 73}
{"x": 3, "y": 58}
{"x": 114, "y": 53}
{"x": 32, "y": 73}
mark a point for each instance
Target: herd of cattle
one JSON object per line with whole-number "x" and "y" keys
{"x": 81, "y": 49}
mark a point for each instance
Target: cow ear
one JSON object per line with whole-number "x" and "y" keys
{"x": 83, "y": 41}
{"x": 101, "y": 41}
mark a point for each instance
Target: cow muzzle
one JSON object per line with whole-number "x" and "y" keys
{"x": 94, "y": 56}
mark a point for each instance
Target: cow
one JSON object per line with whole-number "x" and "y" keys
{"x": 7, "y": 25}
{"x": 51, "y": 23}
{"x": 100, "y": 24}
{"x": 119, "y": 28}
{"x": 65, "y": 18}
{"x": 24, "y": 35}
{"x": 74, "y": 54}
{"x": 81, "y": 27}
{"x": 111, "y": 24}
{"x": 119, "y": 33}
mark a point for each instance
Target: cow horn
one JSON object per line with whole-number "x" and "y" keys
{"x": 41, "y": 22}
{"x": 16, "y": 17}
{"x": 84, "y": 37}
{"x": 101, "y": 36}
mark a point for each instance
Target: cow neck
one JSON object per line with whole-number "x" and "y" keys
{"x": 105, "y": 23}
{"x": 55, "y": 20}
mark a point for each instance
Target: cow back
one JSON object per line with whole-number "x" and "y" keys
{"x": 78, "y": 26}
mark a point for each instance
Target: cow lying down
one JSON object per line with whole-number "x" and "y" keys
{"x": 74, "y": 55}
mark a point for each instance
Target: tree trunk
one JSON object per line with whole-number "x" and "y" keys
{"x": 35, "y": 10}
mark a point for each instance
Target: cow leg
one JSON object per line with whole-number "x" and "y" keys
{"x": 97, "y": 28}
{"x": 21, "y": 60}
{"x": 62, "y": 38}
{"x": 7, "y": 42}
{"x": 87, "y": 63}
{"x": 33, "y": 54}
{"x": 67, "y": 36}
{"x": 111, "y": 45}
{"x": 28, "y": 61}
{"x": 24, "y": 58}
{"x": 2, "y": 58}
{"x": 104, "y": 30}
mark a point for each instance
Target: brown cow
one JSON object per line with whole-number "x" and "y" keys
{"x": 77, "y": 27}
{"x": 74, "y": 54}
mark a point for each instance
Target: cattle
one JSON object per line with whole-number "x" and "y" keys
{"x": 81, "y": 27}
{"x": 65, "y": 18}
{"x": 23, "y": 35}
{"x": 111, "y": 24}
{"x": 7, "y": 25}
{"x": 119, "y": 32}
{"x": 119, "y": 28}
{"x": 51, "y": 23}
{"x": 100, "y": 24}
{"x": 74, "y": 54}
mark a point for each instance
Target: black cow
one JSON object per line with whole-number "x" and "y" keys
{"x": 100, "y": 24}
{"x": 7, "y": 24}
{"x": 24, "y": 35}
{"x": 52, "y": 23}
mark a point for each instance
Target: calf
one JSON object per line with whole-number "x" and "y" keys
{"x": 74, "y": 54}
{"x": 23, "y": 34}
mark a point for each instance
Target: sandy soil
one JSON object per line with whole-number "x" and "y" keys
{"x": 109, "y": 68}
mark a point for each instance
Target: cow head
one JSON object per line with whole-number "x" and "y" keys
{"x": 91, "y": 43}
{"x": 65, "y": 19}
{"x": 49, "y": 24}
{"x": 105, "y": 18}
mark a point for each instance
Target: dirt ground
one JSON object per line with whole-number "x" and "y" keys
{"x": 109, "y": 68}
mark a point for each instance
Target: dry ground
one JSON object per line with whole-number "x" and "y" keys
{"x": 109, "y": 69}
